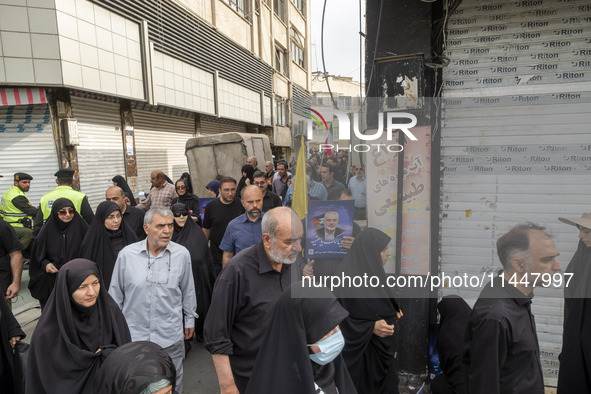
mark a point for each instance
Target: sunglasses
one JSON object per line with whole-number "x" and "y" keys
{"x": 66, "y": 211}
{"x": 181, "y": 187}
{"x": 179, "y": 214}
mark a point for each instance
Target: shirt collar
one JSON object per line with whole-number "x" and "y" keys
{"x": 264, "y": 263}
{"x": 515, "y": 293}
{"x": 144, "y": 248}
{"x": 244, "y": 218}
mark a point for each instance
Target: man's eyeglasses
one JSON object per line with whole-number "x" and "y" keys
{"x": 158, "y": 274}
{"x": 260, "y": 183}
{"x": 66, "y": 211}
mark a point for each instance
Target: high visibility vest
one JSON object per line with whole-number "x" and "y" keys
{"x": 60, "y": 192}
{"x": 9, "y": 212}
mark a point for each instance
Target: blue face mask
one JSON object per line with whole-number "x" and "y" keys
{"x": 329, "y": 348}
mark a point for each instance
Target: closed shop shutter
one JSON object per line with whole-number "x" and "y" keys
{"x": 100, "y": 153}
{"x": 213, "y": 125}
{"x": 160, "y": 144}
{"x": 27, "y": 145}
{"x": 516, "y": 145}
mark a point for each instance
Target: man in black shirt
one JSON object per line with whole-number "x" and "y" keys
{"x": 270, "y": 199}
{"x": 11, "y": 261}
{"x": 245, "y": 295}
{"x": 218, "y": 213}
{"x": 132, "y": 216}
{"x": 504, "y": 355}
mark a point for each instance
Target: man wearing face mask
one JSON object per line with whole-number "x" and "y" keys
{"x": 309, "y": 318}
{"x": 245, "y": 295}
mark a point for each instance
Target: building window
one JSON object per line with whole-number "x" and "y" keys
{"x": 280, "y": 60}
{"x": 280, "y": 111}
{"x": 297, "y": 47}
{"x": 299, "y": 5}
{"x": 240, "y": 6}
{"x": 279, "y": 8}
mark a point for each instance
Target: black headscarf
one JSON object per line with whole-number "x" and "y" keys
{"x": 9, "y": 328}
{"x": 214, "y": 186}
{"x": 131, "y": 368}
{"x": 249, "y": 170}
{"x": 452, "y": 343}
{"x": 191, "y": 201}
{"x": 575, "y": 359}
{"x": 62, "y": 356}
{"x": 56, "y": 243}
{"x": 122, "y": 183}
{"x": 301, "y": 317}
{"x": 369, "y": 358}
{"x": 102, "y": 245}
{"x": 187, "y": 177}
{"x": 192, "y": 238}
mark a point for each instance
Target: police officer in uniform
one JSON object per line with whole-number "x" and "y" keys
{"x": 16, "y": 209}
{"x": 65, "y": 179}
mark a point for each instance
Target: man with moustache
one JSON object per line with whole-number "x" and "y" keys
{"x": 16, "y": 209}
{"x": 270, "y": 199}
{"x": 218, "y": 214}
{"x": 244, "y": 297}
{"x": 153, "y": 285}
{"x": 330, "y": 232}
{"x": 245, "y": 230}
{"x": 504, "y": 354}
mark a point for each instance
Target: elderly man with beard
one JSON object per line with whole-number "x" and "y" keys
{"x": 244, "y": 297}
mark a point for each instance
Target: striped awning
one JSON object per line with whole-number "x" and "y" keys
{"x": 22, "y": 96}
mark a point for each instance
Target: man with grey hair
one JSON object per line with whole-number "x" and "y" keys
{"x": 153, "y": 285}
{"x": 330, "y": 232}
{"x": 252, "y": 160}
{"x": 504, "y": 355}
{"x": 244, "y": 297}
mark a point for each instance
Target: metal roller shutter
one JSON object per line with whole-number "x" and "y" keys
{"x": 212, "y": 125}
{"x": 160, "y": 144}
{"x": 515, "y": 142}
{"x": 27, "y": 145}
{"x": 100, "y": 153}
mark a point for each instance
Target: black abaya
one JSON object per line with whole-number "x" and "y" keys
{"x": 56, "y": 243}
{"x": 575, "y": 359}
{"x": 301, "y": 317}
{"x": 190, "y": 200}
{"x": 63, "y": 356}
{"x": 369, "y": 358}
{"x": 122, "y": 183}
{"x": 131, "y": 368}
{"x": 9, "y": 328}
{"x": 102, "y": 245}
{"x": 452, "y": 345}
{"x": 192, "y": 238}
{"x": 249, "y": 171}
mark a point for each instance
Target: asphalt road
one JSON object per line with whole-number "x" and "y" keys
{"x": 199, "y": 375}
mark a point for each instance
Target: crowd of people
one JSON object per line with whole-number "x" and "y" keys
{"x": 125, "y": 289}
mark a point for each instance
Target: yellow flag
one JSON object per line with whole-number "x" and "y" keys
{"x": 300, "y": 186}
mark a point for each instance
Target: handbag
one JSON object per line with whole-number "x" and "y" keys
{"x": 21, "y": 353}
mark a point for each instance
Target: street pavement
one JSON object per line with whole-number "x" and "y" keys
{"x": 199, "y": 374}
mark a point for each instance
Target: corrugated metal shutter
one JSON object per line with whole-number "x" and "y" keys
{"x": 100, "y": 153}
{"x": 160, "y": 144}
{"x": 27, "y": 145}
{"x": 516, "y": 145}
{"x": 212, "y": 125}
